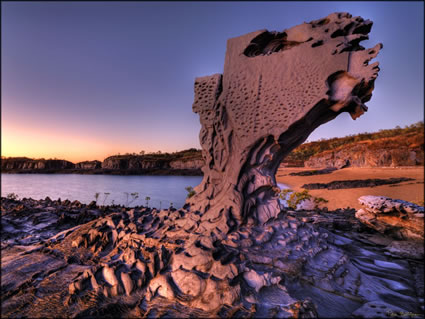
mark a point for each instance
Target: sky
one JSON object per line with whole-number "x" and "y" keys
{"x": 86, "y": 80}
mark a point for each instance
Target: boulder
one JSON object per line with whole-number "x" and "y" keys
{"x": 402, "y": 220}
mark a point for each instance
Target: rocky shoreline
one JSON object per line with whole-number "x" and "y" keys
{"x": 76, "y": 260}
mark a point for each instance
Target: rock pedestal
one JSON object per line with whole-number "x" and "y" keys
{"x": 276, "y": 88}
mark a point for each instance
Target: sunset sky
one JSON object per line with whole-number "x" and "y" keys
{"x": 84, "y": 80}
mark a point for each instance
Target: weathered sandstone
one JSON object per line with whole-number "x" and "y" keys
{"x": 67, "y": 259}
{"x": 232, "y": 250}
{"x": 400, "y": 219}
{"x": 276, "y": 88}
{"x": 88, "y": 165}
{"x": 190, "y": 164}
{"x": 360, "y": 155}
{"x": 23, "y": 163}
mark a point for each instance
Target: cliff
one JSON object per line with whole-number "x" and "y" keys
{"x": 386, "y": 148}
{"x": 186, "y": 162}
{"x": 386, "y": 152}
{"x": 189, "y": 161}
{"x": 88, "y": 165}
{"x": 28, "y": 164}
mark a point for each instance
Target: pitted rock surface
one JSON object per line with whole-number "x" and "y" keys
{"x": 231, "y": 251}
{"x": 276, "y": 88}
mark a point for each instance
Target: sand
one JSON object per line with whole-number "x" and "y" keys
{"x": 412, "y": 191}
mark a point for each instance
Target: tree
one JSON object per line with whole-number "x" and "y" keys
{"x": 142, "y": 152}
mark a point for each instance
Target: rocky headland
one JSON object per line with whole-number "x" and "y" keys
{"x": 188, "y": 162}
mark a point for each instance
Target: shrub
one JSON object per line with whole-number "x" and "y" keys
{"x": 296, "y": 198}
{"x": 96, "y": 197}
{"x": 12, "y": 196}
{"x": 190, "y": 191}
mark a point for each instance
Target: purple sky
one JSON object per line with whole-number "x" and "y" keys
{"x": 83, "y": 80}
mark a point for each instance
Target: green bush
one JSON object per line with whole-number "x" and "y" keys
{"x": 296, "y": 198}
{"x": 190, "y": 191}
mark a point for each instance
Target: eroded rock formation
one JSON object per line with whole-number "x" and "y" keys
{"x": 398, "y": 218}
{"x": 233, "y": 252}
{"x": 63, "y": 259}
{"x": 276, "y": 88}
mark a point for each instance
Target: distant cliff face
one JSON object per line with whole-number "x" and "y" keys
{"x": 386, "y": 148}
{"x": 133, "y": 163}
{"x": 89, "y": 165}
{"x": 23, "y": 163}
{"x": 143, "y": 163}
{"x": 187, "y": 162}
{"x": 360, "y": 155}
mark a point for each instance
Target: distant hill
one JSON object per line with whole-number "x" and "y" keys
{"x": 390, "y": 147}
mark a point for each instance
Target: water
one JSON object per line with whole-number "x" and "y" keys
{"x": 162, "y": 190}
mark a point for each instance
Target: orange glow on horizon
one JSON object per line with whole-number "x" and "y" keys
{"x": 21, "y": 141}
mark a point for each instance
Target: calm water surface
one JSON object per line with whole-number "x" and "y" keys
{"x": 162, "y": 190}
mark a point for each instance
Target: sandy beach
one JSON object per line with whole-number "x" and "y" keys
{"x": 412, "y": 191}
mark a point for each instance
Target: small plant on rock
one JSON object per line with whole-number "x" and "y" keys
{"x": 320, "y": 200}
{"x": 190, "y": 191}
{"x": 96, "y": 197}
{"x": 12, "y": 196}
{"x": 296, "y": 198}
{"x": 147, "y": 198}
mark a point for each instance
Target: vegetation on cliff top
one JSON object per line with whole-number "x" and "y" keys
{"x": 411, "y": 136}
{"x": 185, "y": 155}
